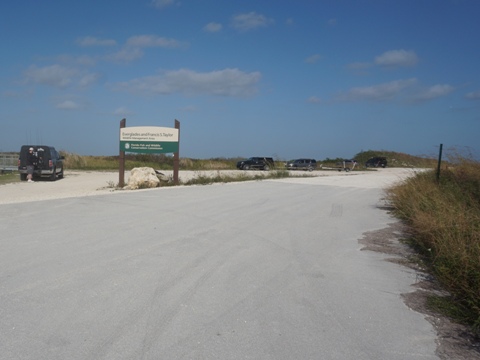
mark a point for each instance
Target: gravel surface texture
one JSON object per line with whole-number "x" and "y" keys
{"x": 90, "y": 183}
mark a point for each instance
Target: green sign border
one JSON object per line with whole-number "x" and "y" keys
{"x": 149, "y": 147}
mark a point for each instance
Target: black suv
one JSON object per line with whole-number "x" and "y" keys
{"x": 302, "y": 164}
{"x": 262, "y": 163}
{"x": 49, "y": 162}
{"x": 376, "y": 162}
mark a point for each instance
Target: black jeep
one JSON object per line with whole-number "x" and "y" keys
{"x": 376, "y": 162}
{"x": 49, "y": 162}
{"x": 261, "y": 163}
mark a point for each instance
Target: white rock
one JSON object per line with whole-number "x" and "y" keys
{"x": 142, "y": 178}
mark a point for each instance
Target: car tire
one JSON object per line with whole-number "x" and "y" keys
{"x": 23, "y": 177}
{"x": 53, "y": 176}
{"x": 60, "y": 174}
{"x": 266, "y": 168}
{"x": 246, "y": 167}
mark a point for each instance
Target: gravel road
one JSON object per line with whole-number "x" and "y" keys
{"x": 90, "y": 183}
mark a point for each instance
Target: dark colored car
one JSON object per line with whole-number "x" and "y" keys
{"x": 49, "y": 162}
{"x": 302, "y": 164}
{"x": 376, "y": 162}
{"x": 260, "y": 163}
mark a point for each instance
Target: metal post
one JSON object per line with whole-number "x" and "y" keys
{"x": 439, "y": 162}
{"x": 176, "y": 156}
{"x": 121, "y": 167}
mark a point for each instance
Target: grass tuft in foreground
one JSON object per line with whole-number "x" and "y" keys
{"x": 445, "y": 219}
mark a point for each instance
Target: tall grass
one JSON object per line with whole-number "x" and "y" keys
{"x": 445, "y": 219}
{"x": 156, "y": 161}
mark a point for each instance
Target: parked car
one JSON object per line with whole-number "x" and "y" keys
{"x": 261, "y": 163}
{"x": 302, "y": 164}
{"x": 376, "y": 162}
{"x": 49, "y": 162}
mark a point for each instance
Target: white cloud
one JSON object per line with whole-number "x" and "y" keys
{"x": 473, "y": 95}
{"x": 54, "y": 75}
{"x": 212, "y": 27}
{"x": 160, "y": 4}
{"x": 332, "y": 22}
{"x": 250, "y": 21}
{"x": 313, "y": 59}
{"x": 93, "y": 41}
{"x": 122, "y": 111}
{"x": 127, "y": 54}
{"x": 88, "y": 79}
{"x": 144, "y": 41}
{"x": 59, "y": 76}
{"x": 380, "y": 92}
{"x": 397, "y": 58}
{"x": 67, "y": 105}
{"x": 133, "y": 48}
{"x": 434, "y": 92}
{"x": 227, "y": 82}
{"x": 314, "y": 100}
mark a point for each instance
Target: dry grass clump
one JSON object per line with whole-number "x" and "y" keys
{"x": 445, "y": 219}
{"x": 202, "y": 179}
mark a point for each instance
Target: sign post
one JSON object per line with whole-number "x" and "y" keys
{"x": 121, "y": 173}
{"x": 176, "y": 160}
{"x": 151, "y": 140}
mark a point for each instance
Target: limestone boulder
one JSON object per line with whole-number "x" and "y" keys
{"x": 143, "y": 178}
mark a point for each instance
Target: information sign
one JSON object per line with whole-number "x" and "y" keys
{"x": 149, "y": 139}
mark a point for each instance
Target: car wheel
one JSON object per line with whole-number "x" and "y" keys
{"x": 23, "y": 177}
{"x": 246, "y": 167}
{"x": 60, "y": 174}
{"x": 310, "y": 169}
{"x": 53, "y": 177}
{"x": 266, "y": 168}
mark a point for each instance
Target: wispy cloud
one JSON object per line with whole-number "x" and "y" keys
{"x": 314, "y": 100}
{"x": 313, "y": 59}
{"x": 473, "y": 95}
{"x": 380, "y": 92}
{"x": 122, "y": 111}
{"x": 67, "y": 105}
{"x": 161, "y": 4}
{"x": 145, "y": 41}
{"x": 332, "y": 22}
{"x": 433, "y": 92}
{"x": 93, "y": 41}
{"x": 212, "y": 27}
{"x": 133, "y": 48}
{"x": 250, "y": 21}
{"x": 227, "y": 82}
{"x": 58, "y": 76}
{"x": 397, "y": 58}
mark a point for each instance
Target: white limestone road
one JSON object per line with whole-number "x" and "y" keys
{"x": 266, "y": 269}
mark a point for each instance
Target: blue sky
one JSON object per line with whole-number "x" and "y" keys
{"x": 288, "y": 79}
